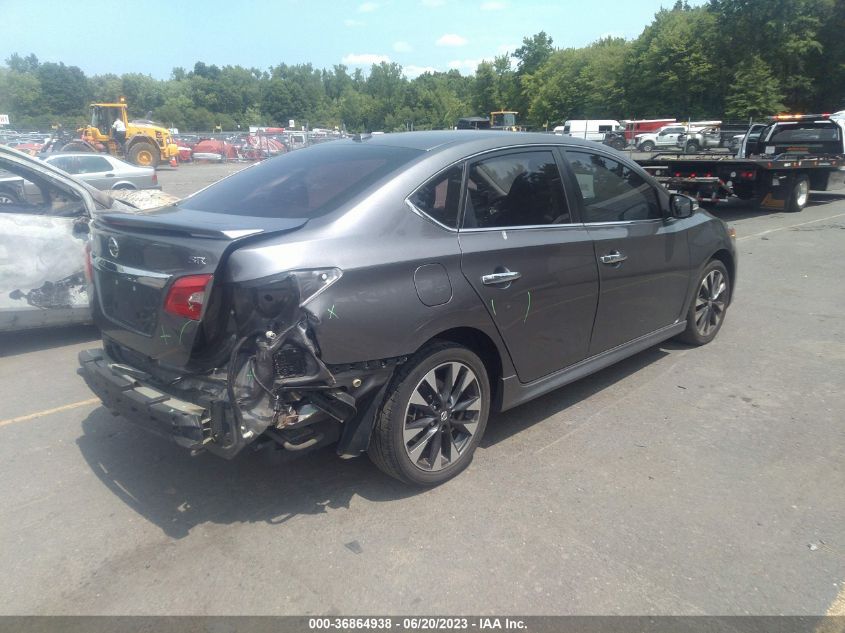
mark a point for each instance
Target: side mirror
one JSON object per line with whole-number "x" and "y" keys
{"x": 682, "y": 206}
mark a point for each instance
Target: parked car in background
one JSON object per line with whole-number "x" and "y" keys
{"x": 665, "y": 137}
{"x": 706, "y": 138}
{"x": 386, "y": 293}
{"x": 44, "y": 215}
{"x": 589, "y": 129}
{"x": 102, "y": 171}
{"x": 44, "y": 218}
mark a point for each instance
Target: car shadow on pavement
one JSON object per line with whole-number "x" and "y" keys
{"x": 14, "y": 343}
{"x": 177, "y": 492}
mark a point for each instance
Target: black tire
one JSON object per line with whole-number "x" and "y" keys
{"x": 692, "y": 148}
{"x": 708, "y": 305}
{"x": 144, "y": 154}
{"x": 389, "y": 448}
{"x": 125, "y": 187}
{"x": 76, "y": 146}
{"x": 800, "y": 194}
{"x": 648, "y": 146}
{"x": 8, "y": 197}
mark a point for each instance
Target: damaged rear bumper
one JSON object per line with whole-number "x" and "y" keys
{"x": 185, "y": 423}
{"x": 211, "y": 423}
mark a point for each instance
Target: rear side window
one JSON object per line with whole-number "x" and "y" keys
{"x": 519, "y": 189}
{"x": 612, "y": 191}
{"x": 92, "y": 164}
{"x": 302, "y": 184}
{"x": 440, "y": 197}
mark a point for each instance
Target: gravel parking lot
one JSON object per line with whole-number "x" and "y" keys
{"x": 680, "y": 481}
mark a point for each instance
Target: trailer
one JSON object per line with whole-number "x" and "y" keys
{"x": 792, "y": 156}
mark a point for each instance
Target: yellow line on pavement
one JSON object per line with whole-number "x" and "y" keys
{"x": 837, "y": 607}
{"x": 791, "y": 226}
{"x": 41, "y": 414}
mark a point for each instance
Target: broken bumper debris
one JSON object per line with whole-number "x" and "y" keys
{"x": 187, "y": 424}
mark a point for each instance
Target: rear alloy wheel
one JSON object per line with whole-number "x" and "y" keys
{"x": 800, "y": 195}
{"x": 144, "y": 154}
{"x": 433, "y": 417}
{"x": 708, "y": 306}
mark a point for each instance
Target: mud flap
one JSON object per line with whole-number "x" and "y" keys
{"x": 777, "y": 195}
{"x": 355, "y": 438}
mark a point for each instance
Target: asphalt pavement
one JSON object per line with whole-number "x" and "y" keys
{"x": 680, "y": 481}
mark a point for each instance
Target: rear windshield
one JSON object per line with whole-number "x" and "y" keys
{"x": 805, "y": 132}
{"x": 305, "y": 183}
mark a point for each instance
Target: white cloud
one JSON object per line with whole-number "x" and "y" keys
{"x": 353, "y": 23}
{"x": 402, "y": 47}
{"x": 364, "y": 59}
{"x": 451, "y": 39}
{"x": 432, "y": 3}
{"x": 494, "y": 5}
{"x": 415, "y": 71}
{"x": 468, "y": 65}
{"x": 367, "y": 7}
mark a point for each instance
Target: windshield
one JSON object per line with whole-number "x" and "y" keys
{"x": 302, "y": 184}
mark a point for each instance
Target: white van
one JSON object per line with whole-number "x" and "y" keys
{"x": 590, "y": 129}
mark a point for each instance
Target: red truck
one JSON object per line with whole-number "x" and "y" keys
{"x": 632, "y": 128}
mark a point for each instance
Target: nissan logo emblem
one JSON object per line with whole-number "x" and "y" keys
{"x": 114, "y": 249}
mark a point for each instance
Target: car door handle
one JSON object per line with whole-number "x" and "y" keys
{"x": 494, "y": 279}
{"x": 613, "y": 257}
{"x": 109, "y": 175}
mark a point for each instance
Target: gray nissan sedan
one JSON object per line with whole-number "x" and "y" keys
{"x": 387, "y": 293}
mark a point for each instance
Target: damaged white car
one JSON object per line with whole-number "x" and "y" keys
{"x": 44, "y": 215}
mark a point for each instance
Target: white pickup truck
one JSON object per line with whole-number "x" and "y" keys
{"x": 667, "y": 136}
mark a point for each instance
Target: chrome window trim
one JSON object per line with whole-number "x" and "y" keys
{"x": 145, "y": 277}
{"x": 426, "y": 216}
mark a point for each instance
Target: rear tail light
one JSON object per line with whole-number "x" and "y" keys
{"x": 187, "y": 296}
{"x": 155, "y": 178}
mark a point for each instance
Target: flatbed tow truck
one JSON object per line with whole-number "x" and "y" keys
{"x": 793, "y": 155}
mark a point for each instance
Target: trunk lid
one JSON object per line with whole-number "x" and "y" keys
{"x": 137, "y": 258}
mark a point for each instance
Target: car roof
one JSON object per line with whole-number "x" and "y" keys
{"x": 480, "y": 139}
{"x": 75, "y": 154}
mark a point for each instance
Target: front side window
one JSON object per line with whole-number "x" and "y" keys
{"x": 520, "y": 189}
{"x": 27, "y": 192}
{"x": 440, "y": 197}
{"x": 612, "y": 191}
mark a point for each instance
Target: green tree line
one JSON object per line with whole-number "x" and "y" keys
{"x": 726, "y": 58}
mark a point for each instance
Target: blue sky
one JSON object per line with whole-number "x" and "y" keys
{"x": 418, "y": 34}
